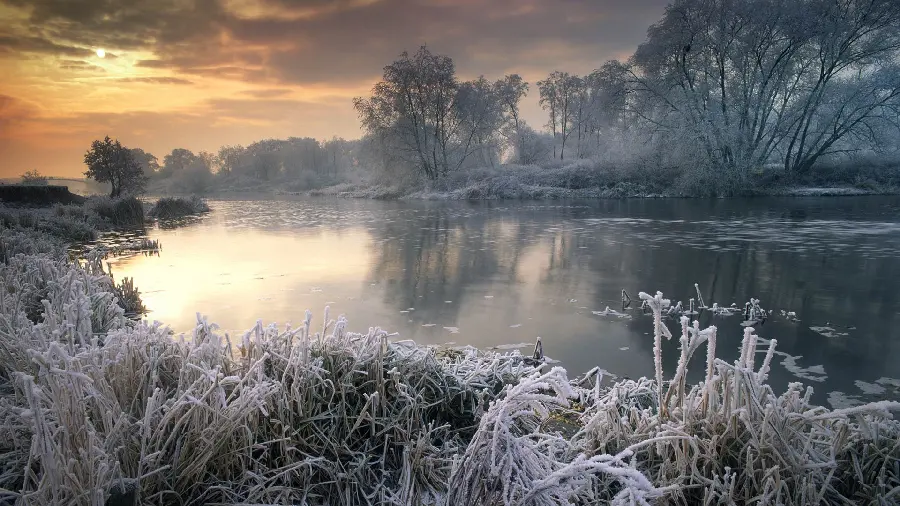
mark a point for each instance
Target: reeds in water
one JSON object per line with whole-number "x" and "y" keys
{"x": 96, "y": 407}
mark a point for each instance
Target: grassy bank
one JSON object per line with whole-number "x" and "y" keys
{"x": 97, "y": 408}
{"x": 598, "y": 179}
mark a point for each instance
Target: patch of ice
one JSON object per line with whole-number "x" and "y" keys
{"x": 828, "y": 332}
{"x": 488, "y": 296}
{"x": 429, "y": 324}
{"x": 840, "y": 400}
{"x": 452, "y": 330}
{"x": 869, "y": 388}
{"x": 611, "y": 312}
{"x": 515, "y": 326}
{"x": 890, "y": 382}
{"x": 812, "y": 373}
{"x": 625, "y": 348}
{"x": 515, "y": 346}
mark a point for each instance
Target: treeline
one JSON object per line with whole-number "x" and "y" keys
{"x": 724, "y": 96}
{"x": 300, "y": 163}
{"x": 720, "y": 92}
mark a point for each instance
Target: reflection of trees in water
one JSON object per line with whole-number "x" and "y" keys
{"x": 434, "y": 257}
{"x": 439, "y": 254}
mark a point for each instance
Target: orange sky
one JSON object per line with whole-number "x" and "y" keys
{"x": 199, "y": 74}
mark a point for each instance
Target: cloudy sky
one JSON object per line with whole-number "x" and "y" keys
{"x": 202, "y": 73}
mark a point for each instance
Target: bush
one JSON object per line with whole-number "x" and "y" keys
{"x": 177, "y": 207}
{"x": 119, "y": 212}
{"x": 34, "y": 178}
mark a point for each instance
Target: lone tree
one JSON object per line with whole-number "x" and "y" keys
{"x": 110, "y": 162}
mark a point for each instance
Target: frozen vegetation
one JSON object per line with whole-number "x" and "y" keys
{"x": 178, "y": 207}
{"x": 97, "y": 408}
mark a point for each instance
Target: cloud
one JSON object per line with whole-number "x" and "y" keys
{"x": 312, "y": 42}
{"x": 80, "y": 65}
{"x": 267, "y": 92}
{"x": 248, "y": 59}
{"x": 154, "y": 80}
{"x": 12, "y": 44}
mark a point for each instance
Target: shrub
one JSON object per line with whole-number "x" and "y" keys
{"x": 35, "y": 178}
{"x": 119, "y": 212}
{"x": 177, "y": 207}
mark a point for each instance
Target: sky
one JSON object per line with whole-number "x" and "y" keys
{"x": 199, "y": 74}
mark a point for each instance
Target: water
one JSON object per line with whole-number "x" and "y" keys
{"x": 499, "y": 273}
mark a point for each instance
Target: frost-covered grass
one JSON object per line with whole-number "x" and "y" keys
{"x": 95, "y": 406}
{"x": 178, "y": 207}
{"x": 609, "y": 177}
{"x": 118, "y": 212}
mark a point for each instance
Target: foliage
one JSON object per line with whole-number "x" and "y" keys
{"x": 118, "y": 212}
{"x": 110, "y": 162}
{"x": 33, "y": 177}
{"x": 435, "y": 123}
{"x": 68, "y": 227}
{"x": 177, "y": 207}
{"x": 96, "y": 407}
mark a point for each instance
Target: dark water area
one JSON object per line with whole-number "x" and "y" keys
{"x": 491, "y": 274}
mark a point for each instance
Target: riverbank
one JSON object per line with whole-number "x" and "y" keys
{"x": 319, "y": 414}
{"x": 584, "y": 179}
{"x": 480, "y": 192}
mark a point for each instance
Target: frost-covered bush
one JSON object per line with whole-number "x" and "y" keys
{"x": 120, "y": 212}
{"x": 67, "y": 227}
{"x": 177, "y": 207}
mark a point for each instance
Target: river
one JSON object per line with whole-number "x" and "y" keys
{"x": 500, "y": 274}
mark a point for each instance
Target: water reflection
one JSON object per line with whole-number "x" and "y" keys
{"x": 489, "y": 274}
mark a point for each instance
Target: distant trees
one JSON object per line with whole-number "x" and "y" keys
{"x": 149, "y": 164}
{"x": 559, "y": 96}
{"x": 108, "y": 161}
{"x": 434, "y": 122}
{"x": 34, "y": 178}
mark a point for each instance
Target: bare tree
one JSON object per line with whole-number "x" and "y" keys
{"x": 558, "y": 95}
{"x": 510, "y": 91}
{"x": 746, "y": 82}
{"x": 434, "y": 122}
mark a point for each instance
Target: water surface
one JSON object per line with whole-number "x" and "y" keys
{"x": 498, "y": 273}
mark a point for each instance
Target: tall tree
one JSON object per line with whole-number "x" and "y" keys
{"x": 558, "y": 94}
{"x": 510, "y": 91}
{"x": 433, "y": 121}
{"x": 108, "y": 161}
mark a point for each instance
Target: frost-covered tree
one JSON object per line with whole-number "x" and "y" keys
{"x": 510, "y": 91}
{"x": 558, "y": 95}
{"x": 433, "y": 121}
{"x": 108, "y": 161}
{"x": 749, "y": 82}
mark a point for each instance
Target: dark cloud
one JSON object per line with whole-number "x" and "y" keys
{"x": 154, "y": 80}
{"x": 80, "y": 65}
{"x": 16, "y": 44}
{"x": 344, "y": 41}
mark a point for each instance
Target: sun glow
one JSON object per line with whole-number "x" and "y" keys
{"x": 101, "y": 53}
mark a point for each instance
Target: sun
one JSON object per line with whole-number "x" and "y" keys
{"x": 101, "y": 53}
